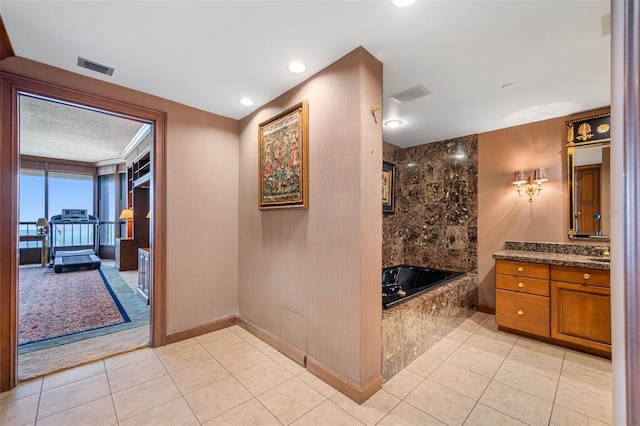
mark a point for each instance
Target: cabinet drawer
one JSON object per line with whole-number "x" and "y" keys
{"x": 524, "y": 312}
{"x": 522, "y": 284}
{"x": 522, "y": 269}
{"x": 596, "y": 277}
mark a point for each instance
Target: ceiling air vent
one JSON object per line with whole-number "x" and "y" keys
{"x": 411, "y": 94}
{"x": 94, "y": 66}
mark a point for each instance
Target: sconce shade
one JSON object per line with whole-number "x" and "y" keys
{"x": 126, "y": 214}
{"x": 539, "y": 175}
{"x": 148, "y": 214}
{"x": 519, "y": 178}
{"x": 533, "y": 185}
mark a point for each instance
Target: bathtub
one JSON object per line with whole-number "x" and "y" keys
{"x": 410, "y": 329}
{"x": 404, "y": 282}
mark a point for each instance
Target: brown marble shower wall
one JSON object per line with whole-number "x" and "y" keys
{"x": 436, "y": 211}
{"x": 392, "y": 244}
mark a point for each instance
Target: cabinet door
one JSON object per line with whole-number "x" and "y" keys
{"x": 143, "y": 275}
{"x": 581, "y": 314}
{"x": 117, "y": 252}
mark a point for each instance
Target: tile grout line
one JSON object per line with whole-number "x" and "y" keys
{"x": 491, "y": 381}
{"x": 400, "y": 400}
{"x": 182, "y": 396}
{"x": 294, "y": 376}
{"x": 35, "y": 421}
{"x": 558, "y": 387}
{"x": 555, "y": 394}
{"x": 440, "y": 364}
{"x": 113, "y": 402}
{"x": 74, "y": 406}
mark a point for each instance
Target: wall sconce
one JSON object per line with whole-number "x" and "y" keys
{"x": 43, "y": 226}
{"x": 533, "y": 184}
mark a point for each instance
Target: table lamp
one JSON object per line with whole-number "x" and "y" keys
{"x": 43, "y": 226}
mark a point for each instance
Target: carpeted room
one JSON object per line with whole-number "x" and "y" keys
{"x": 66, "y": 317}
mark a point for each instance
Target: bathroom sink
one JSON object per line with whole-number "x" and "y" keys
{"x": 601, "y": 259}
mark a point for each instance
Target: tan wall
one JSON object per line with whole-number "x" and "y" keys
{"x": 202, "y": 197}
{"x": 502, "y": 214}
{"x": 312, "y": 277}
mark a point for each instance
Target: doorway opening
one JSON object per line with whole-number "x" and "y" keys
{"x": 77, "y": 190}
{"x": 78, "y": 297}
{"x": 10, "y": 87}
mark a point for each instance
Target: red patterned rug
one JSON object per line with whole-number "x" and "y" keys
{"x": 53, "y": 305}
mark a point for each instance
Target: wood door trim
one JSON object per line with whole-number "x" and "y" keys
{"x": 6, "y": 50}
{"x": 595, "y": 169}
{"x": 631, "y": 143}
{"x": 10, "y": 86}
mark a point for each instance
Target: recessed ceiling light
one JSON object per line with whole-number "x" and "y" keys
{"x": 246, "y": 101}
{"x": 403, "y": 3}
{"x": 297, "y": 67}
{"x": 392, "y": 124}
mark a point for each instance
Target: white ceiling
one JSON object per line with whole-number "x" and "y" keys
{"x": 210, "y": 54}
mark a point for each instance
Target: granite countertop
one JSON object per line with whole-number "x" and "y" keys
{"x": 563, "y": 259}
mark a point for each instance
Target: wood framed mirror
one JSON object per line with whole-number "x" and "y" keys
{"x": 588, "y": 173}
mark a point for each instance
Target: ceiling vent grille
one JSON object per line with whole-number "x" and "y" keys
{"x": 411, "y": 94}
{"x": 94, "y": 66}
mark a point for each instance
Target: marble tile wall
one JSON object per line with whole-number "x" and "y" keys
{"x": 410, "y": 329}
{"x": 436, "y": 211}
{"x": 392, "y": 224}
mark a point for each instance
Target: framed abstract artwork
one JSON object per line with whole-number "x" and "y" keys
{"x": 283, "y": 164}
{"x": 388, "y": 187}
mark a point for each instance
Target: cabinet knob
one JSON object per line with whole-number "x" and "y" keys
{"x": 520, "y": 312}
{"x": 520, "y": 269}
{"x": 587, "y": 276}
{"x": 520, "y": 285}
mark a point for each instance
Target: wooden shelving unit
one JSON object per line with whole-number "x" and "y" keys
{"x": 138, "y": 186}
{"x": 141, "y": 168}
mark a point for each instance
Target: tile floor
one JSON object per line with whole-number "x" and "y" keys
{"x": 474, "y": 376}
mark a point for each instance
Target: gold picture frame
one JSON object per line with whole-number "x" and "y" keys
{"x": 589, "y": 130}
{"x": 283, "y": 163}
{"x": 388, "y": 187}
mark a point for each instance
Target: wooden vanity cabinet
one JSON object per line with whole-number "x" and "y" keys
{"x": 522, "y": 297}
{"x": 559, "y": 304}
{"x": 581, "y": 307}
